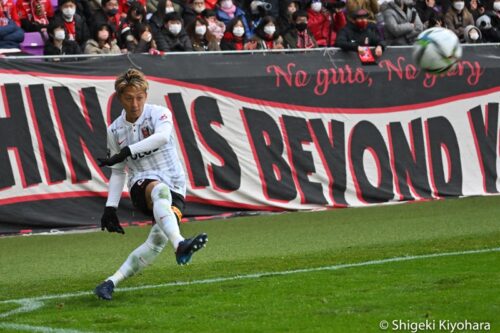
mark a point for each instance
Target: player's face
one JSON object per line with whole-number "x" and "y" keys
{"x": 133, "y": 100}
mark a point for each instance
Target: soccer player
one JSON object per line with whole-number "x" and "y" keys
{"x": 141, "y": 139}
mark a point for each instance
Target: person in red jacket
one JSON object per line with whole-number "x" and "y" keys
{"x": 8, "y": 10}
{"x": 325, "y": 23}
{"x": 34, "y": 15}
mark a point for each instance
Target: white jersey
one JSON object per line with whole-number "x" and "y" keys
{"x": 162, "y": 163}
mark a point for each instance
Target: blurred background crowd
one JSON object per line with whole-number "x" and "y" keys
{"x": 67, "y": 27}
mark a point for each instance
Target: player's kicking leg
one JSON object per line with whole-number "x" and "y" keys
{"x": 161, "y": 199}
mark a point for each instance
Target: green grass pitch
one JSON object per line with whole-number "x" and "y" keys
{"x": 51, "y": 277}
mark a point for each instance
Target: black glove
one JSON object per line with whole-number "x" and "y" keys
{"x": 117, "y": 158}
{"x": 110, "y": 222}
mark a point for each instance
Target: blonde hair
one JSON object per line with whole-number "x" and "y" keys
{"x": 131, "y": 78}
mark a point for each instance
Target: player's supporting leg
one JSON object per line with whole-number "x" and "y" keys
{"x": 165, "y": 217}
{"x": 141, "y": 257}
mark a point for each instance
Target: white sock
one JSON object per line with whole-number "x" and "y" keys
{"x": 164, "y": 216}
{"x": 141, "y": 257}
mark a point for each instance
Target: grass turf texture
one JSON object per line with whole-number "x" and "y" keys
{"x": 455, "y": 288}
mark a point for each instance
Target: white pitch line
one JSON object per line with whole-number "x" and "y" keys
{"x": 26, "y": 306}
{"x": 43, "y": 329}
{"x": 34, "y": 303}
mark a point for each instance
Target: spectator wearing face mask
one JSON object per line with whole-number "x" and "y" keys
{"x": 158, "y": 18}
{"x": 102, "y": 41}
{"x": 8, "y": 11}
{"x": 172, "y": 37}
{"x": 324, "y": 24}
{"x": 358, "y": 33}
{"x": 58, "y": 44}
{"x": 299, "y": 37}
{"x": 108, "y": 14}
{"x": 402, "y": 23}
{"x": 457, "y": 18}
{"x": 285, "y": 19}
{"x": 371, "y": 6}
{"x": 472, "y": 35}
{"x": 216, "y": 27}
{"x": 74, "y": 24}
{"x": 227, "y": 10}
{"x": 34, "y": 15}
{"x": 234, "y": 37}
{"x": 201, "y": 38}
{"x": 266, "y": 36}
{"x": 172, "y": 6}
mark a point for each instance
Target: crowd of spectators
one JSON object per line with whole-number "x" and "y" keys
{"x": 69, "y": 27}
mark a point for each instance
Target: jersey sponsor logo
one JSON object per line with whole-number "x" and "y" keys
{"x": 142, "y": 155}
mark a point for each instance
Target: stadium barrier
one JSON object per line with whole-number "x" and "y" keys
{"x": 259, "y": 131}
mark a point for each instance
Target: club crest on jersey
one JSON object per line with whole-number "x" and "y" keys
{"x": 145, "y": 132}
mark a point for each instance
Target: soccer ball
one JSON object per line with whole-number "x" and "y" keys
{"x": 437, "y": 50}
